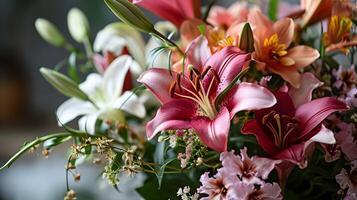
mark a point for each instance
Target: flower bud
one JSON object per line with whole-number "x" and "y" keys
{"x": 49, "y": 32}
{"x": 78, "y": 25}
{"x": 130, "y": 14}
{"x": 63, "y": 84}
{"x": 246, "y": 41}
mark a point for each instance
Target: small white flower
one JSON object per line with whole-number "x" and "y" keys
{"x": 107, "y": 100}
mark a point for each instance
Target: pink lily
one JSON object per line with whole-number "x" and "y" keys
{"x": 189, "y": 100}
{"x": 285, "y": 130}
{"x": 176, "y": 11}
{"x": 249, "y": 170}
{"x": 224, "y": 17}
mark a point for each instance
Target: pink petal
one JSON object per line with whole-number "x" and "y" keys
{"x": 303, "y": 94}
{"x": 198, "y": 52}
{"x": 311, "y": 114}
{"x": 285, "y": 30}
{"x": 228, "y": 63}
{"x": 252, "y": 127}
{"x": 165, "y": 9}
{"x": 249, "y": 96}
{"x": 264, "y": 166}
{"x": 214, "y": 133}
{"x": 158, "y": 81}
{"x": 302, "y": 55}
{"x": 294, "y": 154}
{"x": 173, "y": 115}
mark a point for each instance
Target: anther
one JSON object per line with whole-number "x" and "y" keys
{"x": 178, "y": 79}
{"x": 215, "y": 75}
{"x": 205, "y": 71}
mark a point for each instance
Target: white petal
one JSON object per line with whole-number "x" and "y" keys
{"x": 114, "y": 76}
{"x": 107, "y": 40}
{"x": 130, "y": 103}
{"x": 87, "y": 123}
{"x": 325, "y": 135}
{"x": 91, "y": 84}
{"x": 73, "y": 108}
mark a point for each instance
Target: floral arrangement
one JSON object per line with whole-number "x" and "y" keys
{"x": 219, "y": 103}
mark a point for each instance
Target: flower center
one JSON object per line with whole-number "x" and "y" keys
{"x": 277, "y": 51}
{"x": 218, "y": 40}
{"x": 282, "y": 127}
{"x": 196, "y": 90}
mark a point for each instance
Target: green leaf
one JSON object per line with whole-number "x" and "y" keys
{"x": 30, "y": 145}
{"x": 72, "y": 70}
{"x": 55, "y": 141}
{"x": 63, "y": 84}
{"x": 202, "y": 29}
{"x": 273, "y": 8}
{"x": 246, "y": 41}
{"x": 161, "y": 170}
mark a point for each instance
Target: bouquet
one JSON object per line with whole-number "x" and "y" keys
{"x": 256, "y": 100}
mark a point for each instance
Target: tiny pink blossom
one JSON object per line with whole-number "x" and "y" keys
{"x": 219, "y": 186}
{"x": 348, "y": 180}
{"x": 249, "y": 170}
{"x": 346, "y": 78}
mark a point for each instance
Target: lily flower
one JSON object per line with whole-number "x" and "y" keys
{"x": 266, "y": 191}
{"x": 250, "y": 170}
{"x": 338, "y": 34}
{"x": 192, "y": 100}
{"x": 224, "y": 17}
{"x": 285, "y": 130}
{"x": 176, "y": 11}
{"x": 272, "y": 52}
{"x": 315, "y": 11}
{"x": 107, "y": 100}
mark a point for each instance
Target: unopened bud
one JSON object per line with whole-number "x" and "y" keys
{"x": 78, "y": 25}
{"x": 77, "y": 177}
{"x": 131, "y": 15}
{"x": 49, "y": 32}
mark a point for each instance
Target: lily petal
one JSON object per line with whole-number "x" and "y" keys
{"x": 130, "y": 103}
{"x": 311, "y": 114}
{"x": 73, "y": 108}
{"x": 158, "y": 81}
{"x": 249, "y": 96}
{"x": 198, "y": 52}
{"x": 303, "y": 55}
{"x": 173, "y": 115}
{"x": 285, "y": 30}
{"x": 87, "y": 123}
{"x": 252, "y": 127}
{"x": 214, "y": 133}
{"x": 114, "y": 76}
{"x": 325, "y": 136}
{"x": 303, "y": 94}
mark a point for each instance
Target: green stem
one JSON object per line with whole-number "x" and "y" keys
{"x": 30, "y": 145}
{"x": 171, "y": 43}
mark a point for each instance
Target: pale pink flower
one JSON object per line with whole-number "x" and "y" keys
{"x": 219, "y": 187}
{"x": 266, "y": 191}
{"x": 346, "y": 78}
{"x": 348, "y": 179}
{"x": 249, "y": 170}
{"x": 224, "y": 17}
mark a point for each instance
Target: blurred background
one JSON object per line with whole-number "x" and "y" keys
{"x": 28, "y": 102}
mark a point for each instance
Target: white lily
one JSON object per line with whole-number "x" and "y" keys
{"x": 107, "y": 100}
{"x": 116, "y": 36}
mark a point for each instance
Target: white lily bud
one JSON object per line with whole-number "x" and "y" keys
{"x": 49, "y": 32}
{"x": 78, "y": 25}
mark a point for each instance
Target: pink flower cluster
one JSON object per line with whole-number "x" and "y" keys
{"x": 241, "y": 178}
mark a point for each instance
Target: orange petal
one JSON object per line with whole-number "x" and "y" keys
{"x": 303, "y": 56}
{"x": 189, "y": 30}
{"x": 260, "y": 24}
{"x": 288, "y": 73}
{"x": 287, "y": 61}
{"x": 285, "y": 30}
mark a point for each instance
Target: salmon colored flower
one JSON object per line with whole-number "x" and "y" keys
{"x": 285, "y": 130}
{"x": 176, "y": 11}
{"x": 272, "y": 52}
{"x": 189, "y": 100}
{"x": 224, "y": 17}
{"x": 315, "y": 11}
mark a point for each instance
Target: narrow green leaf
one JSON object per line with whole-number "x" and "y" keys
{"x": 246, "y": 41}
{"x": 55, "y": 141}
{"x": 63, "y": 84}
{"x": 273, "y": 8}
{"x": 72, "y": 70}
{"x": 30, "y": 145}
{"x": 161, "y": 170}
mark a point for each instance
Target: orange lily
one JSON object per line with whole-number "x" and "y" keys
{"x": 315, "y": 10}
{"x": 272, "y": 52}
